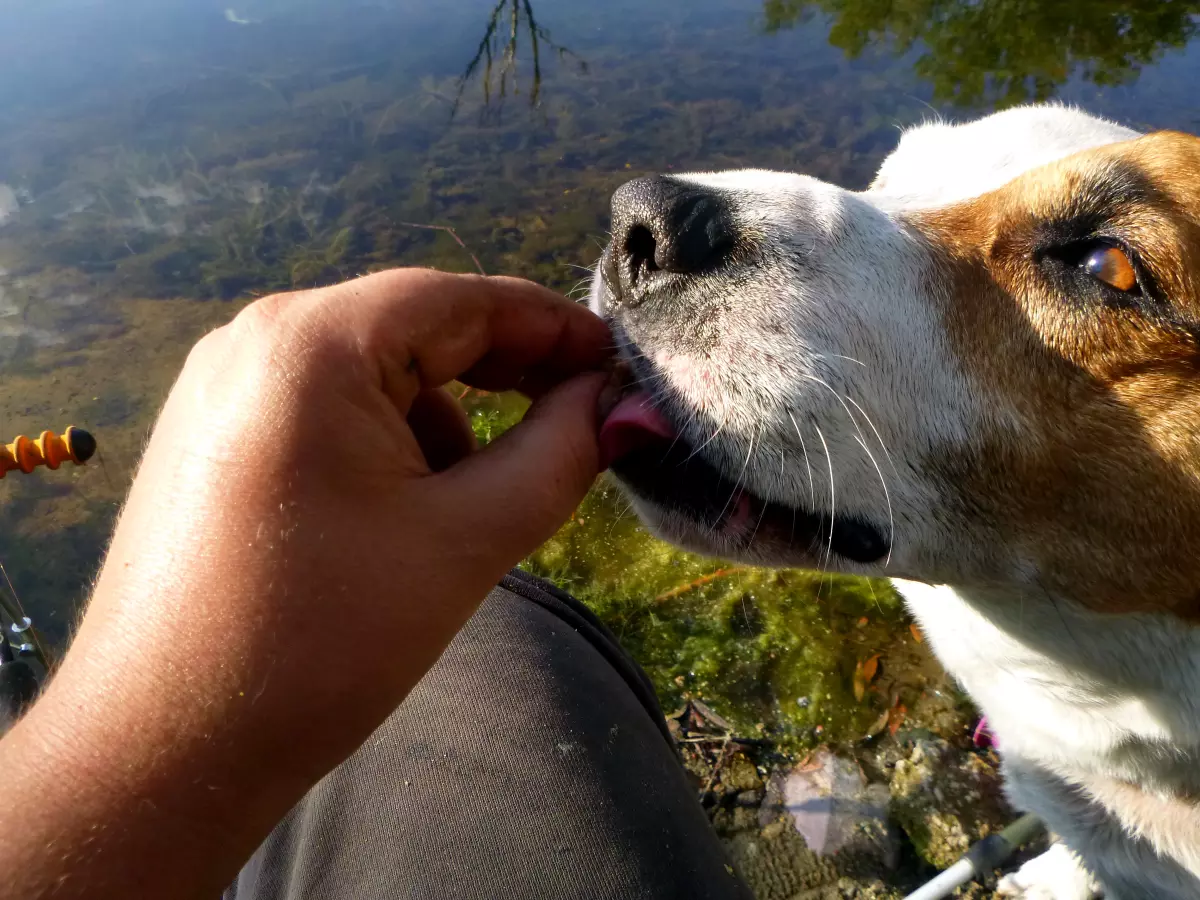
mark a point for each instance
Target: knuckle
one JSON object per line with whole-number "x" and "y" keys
{"x": 279, "y": 326}
{"x": 281, "y": 332}
{"x": 210, "y": 346}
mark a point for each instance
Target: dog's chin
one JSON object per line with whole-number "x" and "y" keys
{"x": 685, "y": 500}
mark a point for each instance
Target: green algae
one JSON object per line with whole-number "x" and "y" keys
{"x": 773, "y": 650}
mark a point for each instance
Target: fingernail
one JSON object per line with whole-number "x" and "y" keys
{"x": 619, "y": 378}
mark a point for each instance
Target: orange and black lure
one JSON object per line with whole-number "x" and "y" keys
{"x": 25, "y": 455}
{"x": 49, "y": 450}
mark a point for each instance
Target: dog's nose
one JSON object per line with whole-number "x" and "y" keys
{"x": 660, "y": 224}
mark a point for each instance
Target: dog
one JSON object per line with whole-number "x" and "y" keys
{"x": 979, "y": 377}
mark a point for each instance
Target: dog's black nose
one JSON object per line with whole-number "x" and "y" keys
{"x": 663, "y": 225}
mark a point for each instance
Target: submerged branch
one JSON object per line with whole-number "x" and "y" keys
{"x": 498, "y": 52}
{"x": 454, "y": 234}
{"x": 700, "y": 582}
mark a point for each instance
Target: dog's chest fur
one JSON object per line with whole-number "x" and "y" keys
{"x": 1084, "y": 707}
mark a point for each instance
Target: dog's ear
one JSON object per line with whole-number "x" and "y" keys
{"x": 1175, "y": 155}
{"x": 1170, "y": 163}
{"x": 1182, "y": 137}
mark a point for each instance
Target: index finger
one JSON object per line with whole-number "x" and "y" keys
{"x": 421, "y": 329}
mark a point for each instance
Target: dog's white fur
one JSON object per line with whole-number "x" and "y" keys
{"x": 1077, "y": 699}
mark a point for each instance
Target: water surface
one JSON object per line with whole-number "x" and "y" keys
{"x": 163, "y": 164}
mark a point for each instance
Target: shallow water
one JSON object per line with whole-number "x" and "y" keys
{"x": 159, "y": 167}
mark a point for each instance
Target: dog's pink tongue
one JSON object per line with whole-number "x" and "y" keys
{"x": 633, "y": 423}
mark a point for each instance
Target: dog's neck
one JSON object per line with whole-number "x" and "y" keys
{"x": 1118, "y": 696}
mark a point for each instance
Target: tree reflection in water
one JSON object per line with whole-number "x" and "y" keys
{"x": 1004, "y": 52}
{"x": 496, "y": 60}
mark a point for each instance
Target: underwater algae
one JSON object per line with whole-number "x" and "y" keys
{"x": 800, "y": 657}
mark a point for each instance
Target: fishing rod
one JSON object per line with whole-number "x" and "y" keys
{"x": 20, "y": 640}
{"x": 18, "y": 686}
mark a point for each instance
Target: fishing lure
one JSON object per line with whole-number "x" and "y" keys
{"x": 49, "y": 450}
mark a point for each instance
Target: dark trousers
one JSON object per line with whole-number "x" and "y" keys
{"x": 532, "y": 761}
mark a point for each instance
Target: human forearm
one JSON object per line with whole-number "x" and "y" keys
{"x": 164, "y": 748}
{"x": 256, "y": 618}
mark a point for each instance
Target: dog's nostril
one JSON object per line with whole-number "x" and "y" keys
{"x": 669, "y": 226}
{"x": 639, "y": 248}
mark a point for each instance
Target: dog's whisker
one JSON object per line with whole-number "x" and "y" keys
{"x": 679, "y": 434}
{"x": 737, "y": 485}
{"x": 886, "y": 496}
{"x": 711, "y": 438}
{"x": 578, "y": 290}
{"x": 692, "y": 418}
{"x": 832, "y": 499}
{"x": 882, "y": 480}
{"x": 874, "y": 599}
{"x": 862, "y": 442}
{"x": 812, "y": 495}
{"x": 620, "y": 517}
{"x": 761, "y": 515}
{"x": 878, "y": 436}
{"x": 848, "y": 359}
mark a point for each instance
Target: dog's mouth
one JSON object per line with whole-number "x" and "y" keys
{"x": 648, "y": 453}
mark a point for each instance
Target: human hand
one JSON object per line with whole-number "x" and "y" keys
{"x": 309, "y": 528}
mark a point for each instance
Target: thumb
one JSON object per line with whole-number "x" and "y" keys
{"x": 517, "y": 491}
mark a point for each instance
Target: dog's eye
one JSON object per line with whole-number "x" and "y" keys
{"x": 1100, "y": 269}
{"x": 1112, "y": 266}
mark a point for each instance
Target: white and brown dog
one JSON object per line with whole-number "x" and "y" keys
{"x": 980, "y": 377}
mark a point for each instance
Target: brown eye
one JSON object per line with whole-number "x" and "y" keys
{"x": 1112, "y": 266}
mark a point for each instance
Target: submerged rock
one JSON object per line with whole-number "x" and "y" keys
{"x": 740, "y": 775}
{"x": 830, "y": 804}
{"x": 946, "y": 800}
{"x": 866, "y": 822}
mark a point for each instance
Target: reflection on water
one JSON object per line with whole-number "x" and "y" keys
{"x": 1004, "y": 52}
{"x": 162, "y": 164}
{"x": 495, "y": 62}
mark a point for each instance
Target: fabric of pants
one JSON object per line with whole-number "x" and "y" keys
{"x": 532, "y": 761}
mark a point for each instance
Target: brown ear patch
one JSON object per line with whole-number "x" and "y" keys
{"x": 1070, "y": 297}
